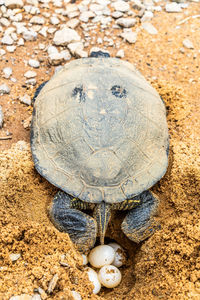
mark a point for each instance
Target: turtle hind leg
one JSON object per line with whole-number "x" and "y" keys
{"x": 81, "y": 228}
{"x": 139, "y": 223}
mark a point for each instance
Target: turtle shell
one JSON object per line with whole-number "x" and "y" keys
{"x": 99, "y": 131}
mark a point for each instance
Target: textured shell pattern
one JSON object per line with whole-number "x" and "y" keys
{"x": 99, "y": 131}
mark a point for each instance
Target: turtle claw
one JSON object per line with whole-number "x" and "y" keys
{"x": 139, "y": 223}
{"x": 81, "y": 228}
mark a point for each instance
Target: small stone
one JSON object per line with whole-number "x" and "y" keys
{"x": 4, "y": 89}
{"x": 65, "y": 36}
{"x": 54, "y": 21}
{"x": 73, "y": 23}
{"x": 148, "y": 15}
{"x": 149, "y": 28}
{"x": 30, "y": 74}
{"x": 121, "y": 6}
{"x": 129, "y": 36}
{"x": 1, "y": 117}
{"x": 117, "y": 14}
{"x": 11, "y": 49}
{"x": 2, "y": 52}
{"x": 73, "y": 47}
{"x": 20, "y": 42}
{"x": 14, "y": 256}
{"x": 52, "y": 49}
{"x": 31, "y": 81}
{"x": 173, "y": 7}
{"x": 66, "y": 54}
{"x": 26, "y": 99}
{"x": 86, "y": 15}
{"x": 43, "y": 31}
{"x": 120, "y": 53}
{"x": 14, "y": 4}
{"x": 126, "y": 22}
{"x": 37, "y": 20}
{"x": 188, "y": 44}
{"x": 34, "y": 63}
{"x": 4, "y": 22}
{"x": 7, "y": 40}
{"x": 76, "y": 295}
{"x": 30, "y": 35}
{"x": 7, "y": 72}
{"x": 52, "y": 284}
{"x": 56, "y": 58}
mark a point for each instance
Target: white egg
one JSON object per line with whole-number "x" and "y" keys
{"x": 85, "y": 259}
{"x": 93, "y": 277}
{"x": 109, "y": 276}
{"x": 120, "y": 256}
{"x": 101, "y": 255}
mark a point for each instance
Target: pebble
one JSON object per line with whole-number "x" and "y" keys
{"x": 76, "y": 295}
{"x": 85, "y": 259}
{"x": 4, "y": 89}
{"x": 121, "y": 6}
{"x": 14, "y": 4}
{"x": 56, "y": 59}
{"x": 14, "y": 256}
{"x": 30, "y": 74}
{"x": 34, "y": 63}
{"x": 173, "y": 7}
{"x": 11, "y": 49}
{"x": 149, "y": 28}
{"x": 1, "y": 117}
{"x": 129, "y": 36}
{"x": 7, "y": 72}
{"x": 37, "y": 20}
{"x": 73, "y": 23}
{"x": 7, "y": 40}
{"x": 126, "y": 22}
{"x": 26, "y": 99}
{"x": 148, "y": 15}
{"x": 30, "y": 35}
{"x": 120, "y": 53}
{"x": 65, "y": 36}
{"x": 52, "y": 283}
{"x": 188, "y": 44}
{"x": 54, "y": 21}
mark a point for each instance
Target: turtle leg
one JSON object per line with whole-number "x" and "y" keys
{"x": 139, "y": 223}
{"x": 81, "y": 228}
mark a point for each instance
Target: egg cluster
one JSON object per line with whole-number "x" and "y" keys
{"x": 106, "y": 258}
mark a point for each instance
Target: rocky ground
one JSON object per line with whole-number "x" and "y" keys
{"x": 162, "y": 39}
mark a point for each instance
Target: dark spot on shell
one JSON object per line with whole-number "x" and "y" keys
{"x": 118, "y": 91}
{"x": 80, "y": 92}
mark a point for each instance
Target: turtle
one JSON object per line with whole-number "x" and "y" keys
{"x": 99, "y": 134}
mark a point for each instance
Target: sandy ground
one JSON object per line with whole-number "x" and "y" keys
{"x": 167, "y": 265}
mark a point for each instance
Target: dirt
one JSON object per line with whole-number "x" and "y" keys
{"x": 167, "y": 265}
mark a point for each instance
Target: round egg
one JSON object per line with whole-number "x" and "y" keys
{"x": 93, "y": 277}
{"x": 109, "y": 276}
{"x": 120, "y": 255}
{"x": 101, "y": 255}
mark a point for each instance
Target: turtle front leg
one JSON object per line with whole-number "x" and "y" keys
{"x": 139, "y": 223}
{"x": 81, "y": 228}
